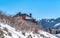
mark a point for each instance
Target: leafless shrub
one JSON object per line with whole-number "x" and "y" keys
{"x": 1, "y": 33}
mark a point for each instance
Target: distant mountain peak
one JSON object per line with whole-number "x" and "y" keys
{"x": 50, "y": 23}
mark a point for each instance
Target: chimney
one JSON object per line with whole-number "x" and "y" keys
{"x": 30, "y": 15}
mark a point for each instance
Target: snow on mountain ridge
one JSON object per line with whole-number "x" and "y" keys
{"x": 56, "y": 24}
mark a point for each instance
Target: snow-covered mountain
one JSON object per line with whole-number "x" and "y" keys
{"x": 6, "y": 31}
{"x": 50, "y": 23}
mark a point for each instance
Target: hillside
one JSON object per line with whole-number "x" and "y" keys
{"x": 6, "y": 31}
{"x": 19, "y": 23}
{"x": 18, "y": 27}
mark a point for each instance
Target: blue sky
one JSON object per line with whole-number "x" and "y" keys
{"x": 39, "y": 8}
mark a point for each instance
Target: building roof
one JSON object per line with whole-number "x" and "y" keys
{"x": 20, "y": 14}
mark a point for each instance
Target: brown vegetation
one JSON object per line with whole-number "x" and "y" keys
{"x": 19, "y": 24}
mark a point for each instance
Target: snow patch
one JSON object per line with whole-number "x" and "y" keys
{"x": 16, "y": 34}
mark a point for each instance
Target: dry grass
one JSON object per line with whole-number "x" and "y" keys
{"x": 1, "y": 33}
{"x": 5, "y": 29}
{"x": 9, "y": 34}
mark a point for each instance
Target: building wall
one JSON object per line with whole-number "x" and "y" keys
{"x": 24, "y": 17}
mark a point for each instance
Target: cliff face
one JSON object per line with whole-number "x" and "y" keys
{"x": 19, "y": 23}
